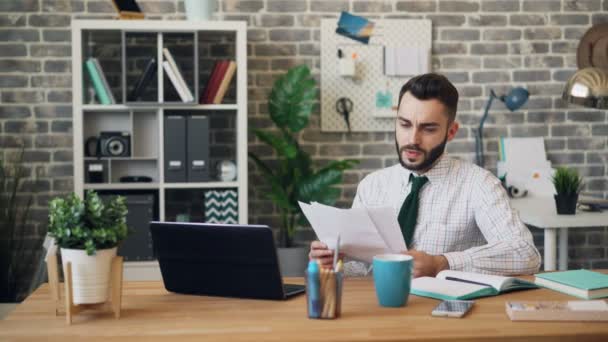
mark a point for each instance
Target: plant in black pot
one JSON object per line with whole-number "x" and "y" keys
{"x": 292, "y": 176}
{"x": 567, "y": 184}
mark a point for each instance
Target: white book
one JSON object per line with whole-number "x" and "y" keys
{"x": 173, "y": 78}
{"x": 102, "y": 75}
{"x": 178, "y": 74}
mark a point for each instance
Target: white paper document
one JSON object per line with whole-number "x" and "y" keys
{"x": 364, "y": 232}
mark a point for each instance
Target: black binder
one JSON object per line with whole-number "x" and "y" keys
{"x": 198, "y": 148}
{"x": 175, "y": 148}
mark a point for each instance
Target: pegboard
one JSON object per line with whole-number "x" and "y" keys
{"x": 365, "y": 117}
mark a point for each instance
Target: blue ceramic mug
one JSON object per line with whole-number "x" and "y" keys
{"x": 393, "y": 278}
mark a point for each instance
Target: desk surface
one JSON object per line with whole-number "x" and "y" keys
{"x": 150, "y": 313}
{"x": 540, "y": 213}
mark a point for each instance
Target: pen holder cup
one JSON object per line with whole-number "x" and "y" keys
{"x": 324, "y": 299}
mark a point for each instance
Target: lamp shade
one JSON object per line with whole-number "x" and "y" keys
{"x": 588, "y": 87}
{"x": 516, "y": 98}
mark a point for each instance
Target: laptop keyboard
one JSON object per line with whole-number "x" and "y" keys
{"x": 290, "y": 288}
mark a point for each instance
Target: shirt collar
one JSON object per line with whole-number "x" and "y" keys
{"x": 435, "y": 174}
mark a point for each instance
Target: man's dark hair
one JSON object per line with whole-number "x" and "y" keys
{"x": 433, "y": 86}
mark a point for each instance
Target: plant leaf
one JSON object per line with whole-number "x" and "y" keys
{"x": 280, "y": 145}
{"x": 291, "y": 99}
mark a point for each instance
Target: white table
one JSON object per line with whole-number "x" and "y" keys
{"x": 540, "y": 212}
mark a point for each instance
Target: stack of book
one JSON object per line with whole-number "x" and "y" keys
{"x": 217, "y": 84}
{"x": 99, "y": 81}
{"x": 579, "y": 283}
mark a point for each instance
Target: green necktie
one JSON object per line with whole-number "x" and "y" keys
{"x": 409, "y": 210}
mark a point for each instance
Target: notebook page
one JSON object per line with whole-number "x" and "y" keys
{"x": 445, "y": 287}
{"x": 494, "y": 281}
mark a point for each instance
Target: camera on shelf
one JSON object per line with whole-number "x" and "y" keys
{"x": 109, "y": 144}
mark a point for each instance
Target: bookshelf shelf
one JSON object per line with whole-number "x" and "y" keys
{"x": 205, "y": 185}
{"x": 154, "y": 105}
{"x": 122, "y": 50}
{"x": 121, "y": 158}
{"x": 122, "y": 186}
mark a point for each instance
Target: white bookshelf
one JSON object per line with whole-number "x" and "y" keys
{"x": 144, "y": 120}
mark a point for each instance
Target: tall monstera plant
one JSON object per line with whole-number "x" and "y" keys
{"x": 294, "y": 177}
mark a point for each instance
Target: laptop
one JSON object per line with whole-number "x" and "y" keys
{"x": 227, "y": 260}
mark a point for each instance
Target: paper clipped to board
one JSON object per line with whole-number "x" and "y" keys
{"x": 364, "y": 232}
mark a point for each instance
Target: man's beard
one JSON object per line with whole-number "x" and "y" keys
{"x": 430, "y": 157}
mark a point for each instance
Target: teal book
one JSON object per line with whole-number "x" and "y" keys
{"x": 457, "y": 285}
{"x": 579, "y": 283}
{"x": 98, "y": 85}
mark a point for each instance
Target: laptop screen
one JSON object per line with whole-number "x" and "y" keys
{"x": 218, "y": 259}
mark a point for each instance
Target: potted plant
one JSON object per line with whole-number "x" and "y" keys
{"x": 17, "y": 278}
{"x": 293, "y": 177}
{"x": 88, "y": 232}
{"x": 567, "y": 184}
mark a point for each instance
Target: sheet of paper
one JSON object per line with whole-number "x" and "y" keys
{"x": 386, "y": 222}
{"x": 526, "y": 152}
{"x": 359, "y": 238}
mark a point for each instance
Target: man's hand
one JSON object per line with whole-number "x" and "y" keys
{"x": 319, "y": 251}
{"x": 426, "y": 264}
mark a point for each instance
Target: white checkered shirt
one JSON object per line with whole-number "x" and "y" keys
{"x": 464, "y": 214}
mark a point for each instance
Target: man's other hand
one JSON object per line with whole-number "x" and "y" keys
{"x": 426, "y": 265}
{"x": 319, "y": 251}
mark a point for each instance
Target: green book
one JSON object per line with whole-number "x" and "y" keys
{"x": 97, "y": 82}
{"x": 579, "y": 283}
{"x": 457, "y": 285}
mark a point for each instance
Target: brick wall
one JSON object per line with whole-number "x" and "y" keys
{"x": 479, "y": 44}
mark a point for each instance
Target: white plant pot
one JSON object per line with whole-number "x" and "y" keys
{"x": 90, "y": 274}
{"x": 197, "y": 10}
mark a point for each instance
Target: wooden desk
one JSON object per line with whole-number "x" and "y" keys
{"x": 152, "y": 314}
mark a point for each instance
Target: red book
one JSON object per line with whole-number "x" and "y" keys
{"x": 216, "y": 80}
{"x": 205, "y": 92}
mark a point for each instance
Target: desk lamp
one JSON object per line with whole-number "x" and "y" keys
{"x": 588, "y": 86}
{"x": 516, "y": 98}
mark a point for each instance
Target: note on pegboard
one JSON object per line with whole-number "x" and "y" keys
{"x": 372, "y": 91}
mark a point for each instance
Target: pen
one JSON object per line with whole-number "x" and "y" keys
{"x": 313, "y": 288}
{"x": 336, "y": 252}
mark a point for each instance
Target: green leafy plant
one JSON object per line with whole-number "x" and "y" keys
{"x": 15, "y": 259}
{"x": 88, "y": 224}
{"x": 294, "y": 177}
{"x": 567, "y": 182}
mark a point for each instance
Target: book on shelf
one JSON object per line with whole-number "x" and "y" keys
{"x": 96, "y": 80}
{"x": 225, "y": 82}
{"x": 203, "y": 95}
{"x": 143, "y": 80}
{"x": 456, "y": 285}
{"x": 180, "y": 79}
{"x": 577, "y": 310}
{"x": 106, "y": 85}
{"x": 175, "y": 82}
{"x": 214, "y": 81}
{"x": 579, "y": 283}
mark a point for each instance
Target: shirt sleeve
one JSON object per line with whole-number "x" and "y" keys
{"x": 510, "y": 248}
